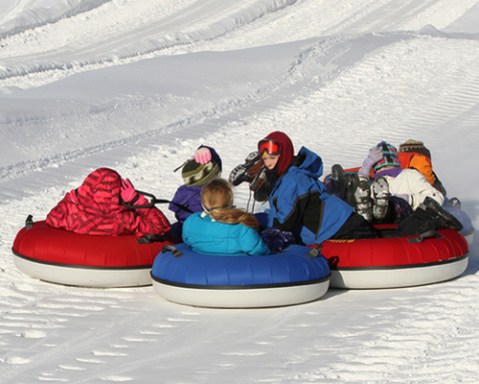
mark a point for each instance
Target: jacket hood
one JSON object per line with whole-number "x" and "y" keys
{"x": 309, "y": 163}
{"x": 287, "y": 150}
{"x": 100, "y": 190}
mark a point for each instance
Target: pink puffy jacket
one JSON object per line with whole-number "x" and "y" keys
{"x": 95, "y": 208}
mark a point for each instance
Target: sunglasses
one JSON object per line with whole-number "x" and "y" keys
{"x": 271, "y": 147}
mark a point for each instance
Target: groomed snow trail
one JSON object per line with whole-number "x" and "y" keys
{"x": 109, "y": 33}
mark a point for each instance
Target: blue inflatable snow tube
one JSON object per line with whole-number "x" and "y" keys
{"x": 296, "y": 265}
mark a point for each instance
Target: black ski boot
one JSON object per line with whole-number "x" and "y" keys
{"x": 442, "y": 218}
{"x": 352, "y": 182}
{"x": 454, "y": 202}
{"x": 243, "y": 172}
{"x": 380, "y": 198}
{"x": 362, "y": 197}
{"x": 338, "y": 181}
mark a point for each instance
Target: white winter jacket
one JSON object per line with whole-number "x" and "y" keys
{"x": 413, "y": 186}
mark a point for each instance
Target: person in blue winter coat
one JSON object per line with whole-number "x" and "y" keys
{"x": 222, "y": 229}
{"x": 196, "y": 172}
{"x": 299, "y": 202}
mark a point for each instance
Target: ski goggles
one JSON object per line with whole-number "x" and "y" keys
{"x": 269, "y": 146}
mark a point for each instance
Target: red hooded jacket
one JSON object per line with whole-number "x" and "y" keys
{"x": 95, "y": 208}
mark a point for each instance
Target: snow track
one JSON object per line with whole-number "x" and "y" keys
{"x": 22, "y": 15}
{"x": 108, "y": 33}
{"x": 120, "y": 32}
{"x": 306, "y": 73}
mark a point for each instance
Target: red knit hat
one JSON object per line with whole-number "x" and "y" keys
{"x": 286, "y": 150}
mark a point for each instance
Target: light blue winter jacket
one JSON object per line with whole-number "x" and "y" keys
{"x": 204, "y": 235}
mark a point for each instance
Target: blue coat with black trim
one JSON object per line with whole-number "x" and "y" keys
{"x": 300, "y": 204}
{"x": 205, "y": 235}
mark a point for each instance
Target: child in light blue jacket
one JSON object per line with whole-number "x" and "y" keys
{"x": 221, "y": 228}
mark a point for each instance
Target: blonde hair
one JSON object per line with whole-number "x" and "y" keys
{"x": 217, "y": 201}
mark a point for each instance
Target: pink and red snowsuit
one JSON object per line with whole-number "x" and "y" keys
{"x": 95, "y": 208}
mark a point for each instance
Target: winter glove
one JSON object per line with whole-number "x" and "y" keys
{"x": 128, "y": 192}
{"x": 202, "y": 155}
{"x": 276, "y": 240}
{"x": 374, "y": 156}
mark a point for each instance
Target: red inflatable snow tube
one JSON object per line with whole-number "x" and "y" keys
{"x": 437, "y": 256}
{"x": 51, "y": 245}
{"x": 68, "y": 258}
{"x": 395, "y": 251}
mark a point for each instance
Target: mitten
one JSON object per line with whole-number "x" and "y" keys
{"x": 202, "y": 155}
{"x": 276, "y": 240}
{"x": 128, "y": 192}
{"x": 374, "y": 156}
{"x": 288, "y": 237}
{"x": 272, "y": 239}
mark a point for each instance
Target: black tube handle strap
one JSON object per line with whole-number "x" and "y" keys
{"x": 29, "y": 222}
{"x": 425, "y": 235}
{"x": 171, "y": 248}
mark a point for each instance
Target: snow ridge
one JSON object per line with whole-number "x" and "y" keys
{"x": 220, "y": 23}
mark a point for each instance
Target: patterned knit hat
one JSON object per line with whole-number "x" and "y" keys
{"x": 390, "y": 156}
{"x": 415, "y": 146}
{"x": 195, "y": 174}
